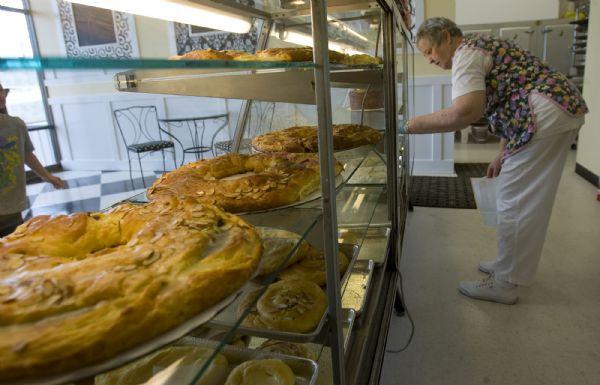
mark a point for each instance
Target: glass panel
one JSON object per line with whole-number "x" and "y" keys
{"x": 25, "y": 98}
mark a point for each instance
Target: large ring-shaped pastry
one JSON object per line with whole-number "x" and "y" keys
{"x": 262, "y": 372}
{"x": 81, "y": 288}
{"x": 303, "y": 139}
{"x": 238, "y": 183}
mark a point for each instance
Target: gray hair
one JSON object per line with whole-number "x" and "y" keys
{"x": 433, "y": 28}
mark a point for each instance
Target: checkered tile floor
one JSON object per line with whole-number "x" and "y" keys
{"x": 86, "y": 191}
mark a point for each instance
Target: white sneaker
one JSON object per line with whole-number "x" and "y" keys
{"x": 486, "y": 267}
{"x": 490, "y": 289}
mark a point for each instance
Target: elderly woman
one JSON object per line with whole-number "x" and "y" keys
{"x": 536, "y": 112}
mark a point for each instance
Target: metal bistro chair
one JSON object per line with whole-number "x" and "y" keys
{"x": 196, "y": 129}
{"x": 137, "y": 125}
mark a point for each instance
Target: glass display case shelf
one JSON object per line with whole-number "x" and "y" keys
{"x": 287, "y": 85}
{"x": 69, "y": 63}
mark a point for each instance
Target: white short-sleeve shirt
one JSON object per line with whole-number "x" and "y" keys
{"x": 469, "y": 69}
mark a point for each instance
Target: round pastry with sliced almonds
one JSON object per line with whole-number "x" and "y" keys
{"x": 291, "y": 305}
{"x": 312, "y": 267}
{"x": 172, "y": 365}
{"x": 278, "y": 249}
{"x": 238, "y": 182}
{"x": 303, "y": 139}
{"x": 78, "y": 289}
{"x": 289, "y": 348}
{"x": 262, "y": 372}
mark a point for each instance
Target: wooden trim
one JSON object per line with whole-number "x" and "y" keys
{"x": 587, "y": 175}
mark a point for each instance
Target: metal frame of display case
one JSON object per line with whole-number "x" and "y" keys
{"x": 311, "y": 84}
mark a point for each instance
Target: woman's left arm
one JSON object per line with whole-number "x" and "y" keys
{"x": 464, "y": 110}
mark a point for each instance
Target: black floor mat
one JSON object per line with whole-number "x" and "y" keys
{"x": 455, "y": 193}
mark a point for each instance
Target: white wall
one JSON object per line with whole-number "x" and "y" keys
{"x": 494, "y": 11}
{"x": 588, "y": 151}
{"x": 433, "y": 154}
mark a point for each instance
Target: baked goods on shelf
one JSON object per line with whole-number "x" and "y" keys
{"x": 367, "y": 99}
{"x": 303, "y": 139}
{"x": 296, "y": 54}
{"x": 288, "y": 54}
{"x": 363, "y": 59}
{"x": 262, "y": 372}
{"x": 238, "y": 182}
{"x": 289, "y": 348}
{"x": 77, "y": 289}
{"x": 203, "y": 54}
{"x": 312, "y": 268}
{"x": 277, "y": 246}
{"x": 291, "y": 305}
{"x": 172, "y": 365}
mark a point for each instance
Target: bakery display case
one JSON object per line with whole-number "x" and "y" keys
{"x": 314, "y": 307}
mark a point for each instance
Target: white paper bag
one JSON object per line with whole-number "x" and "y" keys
{"x": 485, "y": 196}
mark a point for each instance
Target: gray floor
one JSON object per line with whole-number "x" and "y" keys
{"x": 552, "y": 336}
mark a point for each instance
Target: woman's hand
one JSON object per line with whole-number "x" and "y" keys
{"x": 494, "y": 168}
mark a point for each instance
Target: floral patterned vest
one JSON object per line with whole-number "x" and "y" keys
{"x": 514, "y": 75}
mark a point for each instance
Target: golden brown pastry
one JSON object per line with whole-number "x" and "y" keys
{"x": 262, "y": 372}
{"x": 237, "y": 182}
{"x": 291, "y": 305}
{"x": 204, "y": 54}
{"x": 303, "y": 139}
{"x": 363, "y": 59}
{"x": 296, "y": 54}
{"x": 241, "y": 55}
{"x": 80, "y": 288}
{"x": 289, "y": 348}
{"x": 174, "y": 365}
{"x": 312, "y": 268}
{"x": 277, "y": 246}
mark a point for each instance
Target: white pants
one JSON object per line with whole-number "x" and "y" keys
{"x": 527, "y": 185}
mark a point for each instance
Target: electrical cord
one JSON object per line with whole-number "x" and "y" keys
{"x": 398, "y": 258}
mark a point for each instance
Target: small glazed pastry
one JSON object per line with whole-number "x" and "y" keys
{"x": 289, "y": 348}
{"x": 312, "y": 267}
{"x": 173, "y": 365}
{"x": 277, "y": 246}
{"x": 262, "y": 372}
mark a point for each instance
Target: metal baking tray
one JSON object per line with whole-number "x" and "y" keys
{"x": 136, "y": 352}
{"x": 228, "y": 317}
{"x": 358, "y": 285}
{"x": 216, "y": 334}
{"x": 305, "y": 370}
{"x": 375, "y": 245}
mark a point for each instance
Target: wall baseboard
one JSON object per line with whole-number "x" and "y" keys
{"x": 587, "y": 175}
